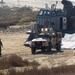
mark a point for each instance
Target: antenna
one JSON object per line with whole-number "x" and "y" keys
{"x": 46, "y": 5}
{"x": 56, "y": 3}
{"x": 53, "y": 7}
{"x": 2, "y": 3}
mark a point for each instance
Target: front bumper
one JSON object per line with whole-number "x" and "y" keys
{"x": 39, "y": 45}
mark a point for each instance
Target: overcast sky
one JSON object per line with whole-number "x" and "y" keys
{"x": 35, "y": 3}
{"x": 33, "y": 0}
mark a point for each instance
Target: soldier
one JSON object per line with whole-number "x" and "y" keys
{"x": 1, "y": 45}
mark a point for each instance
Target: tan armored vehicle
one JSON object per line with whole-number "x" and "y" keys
{"x": 46, "y": 40}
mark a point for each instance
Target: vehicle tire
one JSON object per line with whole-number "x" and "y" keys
{"x": 33, "y": 50}
{"x": 49, "y": 47}
{"x": 58, "y": 46}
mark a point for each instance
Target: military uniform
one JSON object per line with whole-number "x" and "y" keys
{"x": 1, "y": 45}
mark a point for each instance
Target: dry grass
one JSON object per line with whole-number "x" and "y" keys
{"x": 63, "y": 70}
{"x": 11, "y": 61}
{"x": 17, "y": 15}
{"x": 4, "y": 63}
{"x": 15, "y": 61}
{"x": 33, "y": 63}
{"x": 1, "y": 74}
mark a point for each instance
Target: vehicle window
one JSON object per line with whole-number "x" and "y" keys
{"x": 45, "y": 12}
{"x": 41, "y": 13}
{"x": 48, "y": 13}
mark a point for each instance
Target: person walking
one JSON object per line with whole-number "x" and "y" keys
{"x": 1, "y": 45}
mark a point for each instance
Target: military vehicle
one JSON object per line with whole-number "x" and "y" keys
{"x": 60, "y": 20}
{"x": 46, "y": 40}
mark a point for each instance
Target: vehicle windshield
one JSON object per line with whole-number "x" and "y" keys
{"x": 41, "y": 12}
{"x": 44, "y": 13}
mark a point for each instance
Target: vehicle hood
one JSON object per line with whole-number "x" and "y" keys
{"x": 39, "y": 39}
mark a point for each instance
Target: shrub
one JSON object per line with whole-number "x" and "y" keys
{"x": 1, "y": 74}
{"x": 4, "y": 63}
{"x": 11, "y": 61}
{"x": 15, "y": 61}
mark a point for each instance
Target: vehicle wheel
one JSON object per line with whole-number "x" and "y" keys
{"x": 58, "y": 46}
{"x": 33, "y": 50}
{"x": 49, "y": 47}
